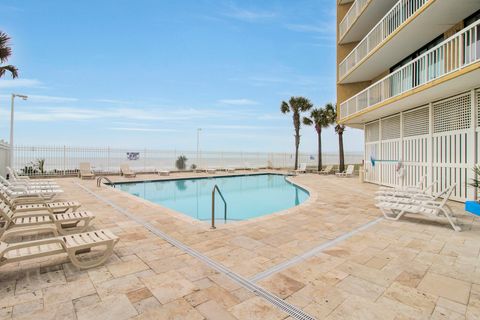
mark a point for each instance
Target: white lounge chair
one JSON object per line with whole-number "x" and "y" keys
{"x": 406, "y": 192}
{"x": 327, "y": 170}
{"x": 301, "y": 169}
{"x": 126, "y": 172}
{"x": 36, "y": 222}
{"x": 27, "y": 185}
{"x": 16, "y": 192}
{"x": 14, "y": 177}
{"x": 71, "y": 245}
{"x": 211, "y": 170}
{"x": 346, "y": 173}
{"x": 418, "y": 187}
{"x": 229, "y": 169}
{"x": 162, "y": 172}
{"x": 394, "y": 211}
{"x": 85, "y": 171}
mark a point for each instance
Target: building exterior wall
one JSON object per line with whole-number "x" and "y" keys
{"x": 438, "y": 141}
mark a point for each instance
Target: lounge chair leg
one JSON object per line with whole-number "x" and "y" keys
{"x": 92, "y": 263}
{"x": 454, "y": 226}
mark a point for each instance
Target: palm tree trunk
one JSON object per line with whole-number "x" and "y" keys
{"x": 342, "y": 156}
{"x": 297, "y": 144}
{"x": 319, "y": 133}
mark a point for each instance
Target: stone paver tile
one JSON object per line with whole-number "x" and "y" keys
{"x": 354, "y": 308}
{"x": 213, "y": 311}
{"x": 473, "y": 313}
{"x": 69, "y": 291}
{"x": 62, "y": 311}
{"x": 85, "y": 301}
{"x": 360, "y": 287}
{"x": 281, "y": 285}
{"x": 137, "y": 295}
{"x": 146, "y": 304}
{"x": 411, "y": 297}
{"x": 12, "y": 300}
{"x": 441, "y": 313}
{"x": 175, "y": 310}
{"x": 6, "y": 312}
{"x": 377, "y": 262}
{"x": 128, "y": 267}
{"x": 452, "y": 305}
{"x": 121, "y": 285}
{"x": 401, "y": 311}
{"x": 409, "y": 278}
{"x": 115, "y": 307}
{"x": 256, "y": 309}
{"x": 32, "y": 280}
{"x": 446, "y": 287}
{"x": 169, "y": 286}
{"x": 215, "y": 293}
{"x": 99, "y": 274}
{"x": 28, "y": 308}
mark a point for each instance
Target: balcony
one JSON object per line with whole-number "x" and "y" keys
{"x": 361, "y": 18}
{"x": 448, "y": 68}
{"x": 406, "y": 27}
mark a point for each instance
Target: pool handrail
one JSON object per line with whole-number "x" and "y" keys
{"x": 215, "y": 188}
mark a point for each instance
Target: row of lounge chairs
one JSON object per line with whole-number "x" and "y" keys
{"x": 86, "y": 171}
{"x": 35, "y": 208}
{"x": 396, "y": 202}
{"x": 327, "y": 170}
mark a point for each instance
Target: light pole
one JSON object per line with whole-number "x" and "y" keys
{"x": 198, "y": 146}
{"x": 14, "y": 95}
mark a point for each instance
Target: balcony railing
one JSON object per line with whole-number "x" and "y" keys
{"x": 352, "y": 16}
{"x": 455, "y": 53}
{"x": 403, "y": 10}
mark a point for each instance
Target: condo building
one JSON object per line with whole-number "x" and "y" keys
{"x": 408, "y": 74}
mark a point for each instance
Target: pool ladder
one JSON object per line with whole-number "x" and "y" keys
{"x": 99, "y": 181}
{"x": 216, "y": 189}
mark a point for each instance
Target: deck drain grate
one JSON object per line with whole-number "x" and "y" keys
{"x": 288, "y": 308}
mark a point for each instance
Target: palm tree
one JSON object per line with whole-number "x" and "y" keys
{"x": 320, "y": 118}
{"x": 5, "y": 52}
{"x": 339, "y": 129}
{"x": 296, "y": 105}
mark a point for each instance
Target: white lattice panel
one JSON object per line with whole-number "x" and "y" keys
{"x": 390, "y": 151}
{"x": 372, "y": 132}
{"x": 416, "y": 122}
{"x": 372, "y": 174}
{"x": 415, "y": 158}
{"x": 452, "y": 114}
{"x": 391, "y": 127}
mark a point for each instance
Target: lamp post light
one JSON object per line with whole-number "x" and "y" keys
{"x": 198, "y": 146}
{"x": 12, "y": 112}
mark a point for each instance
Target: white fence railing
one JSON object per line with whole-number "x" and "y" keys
{"x": 403, "y": 10}
{"x": 352, "y": 15}
{"x": 456, "y": 52}
{"x": 64, "y": 160}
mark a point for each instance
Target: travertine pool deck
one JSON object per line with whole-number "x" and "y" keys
{"x": 410, "y": 269}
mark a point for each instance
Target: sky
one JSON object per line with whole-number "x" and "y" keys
{"x": 148, "y": 73}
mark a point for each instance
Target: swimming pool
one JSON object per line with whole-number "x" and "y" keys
{"x": 247, "y": 196}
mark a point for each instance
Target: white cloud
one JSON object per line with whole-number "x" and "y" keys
{"x": 238, "y": 102}
{"x": 248, "y": 15}
{"x": 141, "y": 129}
{"x": 20, "y": 83}
{"x": 112, "y": 101}
{"x": 325, "y": 28}
{"x": 43, "y": 99}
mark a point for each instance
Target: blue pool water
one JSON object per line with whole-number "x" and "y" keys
{"x": 247, "y": 196}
